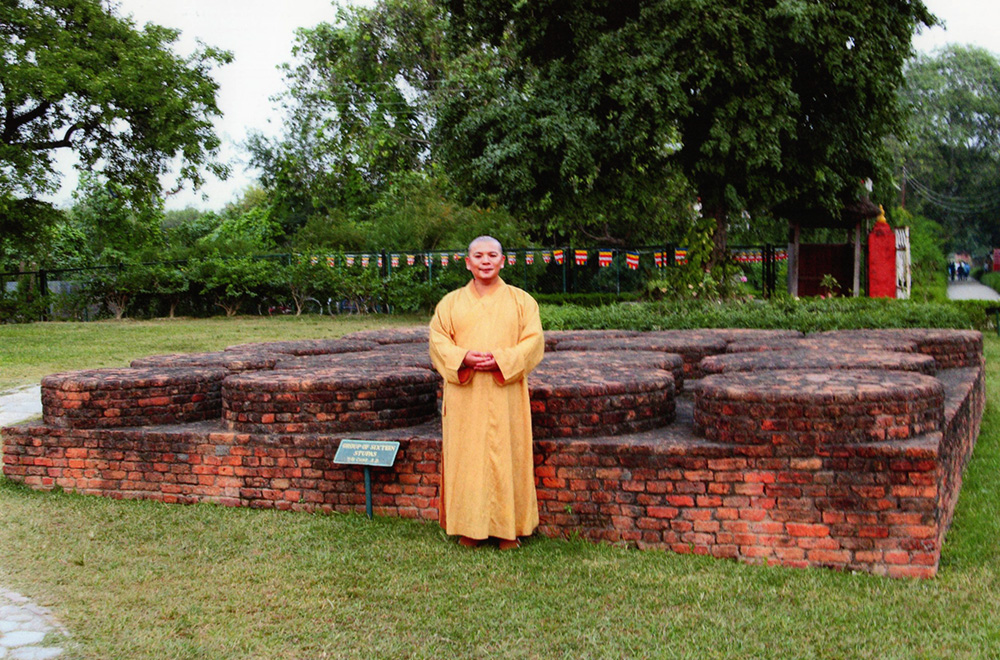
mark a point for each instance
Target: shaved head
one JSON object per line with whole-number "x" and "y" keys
{"x": 485, "y": 239}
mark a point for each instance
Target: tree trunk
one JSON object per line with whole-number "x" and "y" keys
{"x": 719, "y": 236}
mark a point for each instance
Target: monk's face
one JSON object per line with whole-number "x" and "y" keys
{"x": 485, "y": 261}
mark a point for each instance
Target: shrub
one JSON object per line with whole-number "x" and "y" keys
{"x": 806, "y": 315}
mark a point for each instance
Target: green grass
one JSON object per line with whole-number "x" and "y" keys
{"x": 33, "y": 350}
{"x": 147, "y": 580}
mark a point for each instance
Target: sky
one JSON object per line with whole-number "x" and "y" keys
{"x": 260, "y": 33}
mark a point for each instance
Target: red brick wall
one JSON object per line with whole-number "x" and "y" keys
{"x": 881, "y": 507}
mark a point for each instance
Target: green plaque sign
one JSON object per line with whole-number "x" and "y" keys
{"x": 375, "y": 453}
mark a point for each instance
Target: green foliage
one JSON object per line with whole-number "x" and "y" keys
{"x": 950, "y": 159}
{"x": 28, "y": 231}
{"x": 78, "y": 76}
{"x": 762, "y": 107}
{"x": 231, "y": 282}
{"x": 23, "y": 303}
{"x": 106, "y": 218}
{"x": 805, "y": 315}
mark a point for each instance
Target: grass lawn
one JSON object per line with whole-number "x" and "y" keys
{"x": 147, "y": 580}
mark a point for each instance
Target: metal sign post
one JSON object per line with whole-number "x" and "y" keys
{"x": 368, "y": 454}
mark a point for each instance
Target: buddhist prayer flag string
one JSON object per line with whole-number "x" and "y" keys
{"x": 604, "y": 258}
{"x": 350, "y": 260}
{"x": 681, "y": 255}
{"x": 380, "y": 261}
{"x": 394, "y": 260}
{"x": 365, "y": 260}
{"x": 444, "y": 259}
{"x": 632, "y": 260}
{"x": 411, "y": 259}
{"x": 558, "y": 254}
{"x": 529, "y": 258}
{"x": 581, "y": 257}
{"x": 658, "y": 259}
{"x": 330, "y": 262}
{"x": 546, "y": 257}
{"x": 511, "y": 258}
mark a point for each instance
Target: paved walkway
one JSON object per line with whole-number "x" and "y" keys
{"x": 971, "y": 290}
{"x": 19, "y": 405}
{"x": 24, "y": 625}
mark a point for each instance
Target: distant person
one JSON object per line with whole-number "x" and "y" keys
{"x": 951, "y": 271}
{"x": 484, "y": 340}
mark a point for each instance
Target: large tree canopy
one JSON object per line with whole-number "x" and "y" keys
{"x": 75, "y": 75}
{"x": 762, "y": 104}
{"x": 952, "y": 153}
{"x": 601, "y": 121}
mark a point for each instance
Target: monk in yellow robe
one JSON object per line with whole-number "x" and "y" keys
{"x": 484, "y": 339}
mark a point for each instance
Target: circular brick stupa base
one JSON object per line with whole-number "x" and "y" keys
{"x": 116, "y": 398}
{"x": 328, "y": 401}
{"x": 817, "y": 407}
{"x": 577, "y": 401}
{"x": 802, "y": 359}
{"x": 234, "y": 362}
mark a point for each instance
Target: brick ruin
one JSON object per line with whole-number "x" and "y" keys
{"x": 841, "y": 449}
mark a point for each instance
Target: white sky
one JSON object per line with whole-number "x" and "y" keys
{"x": 260, "y": 34}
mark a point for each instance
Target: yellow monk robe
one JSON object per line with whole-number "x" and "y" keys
{"x": 488, "y": 480}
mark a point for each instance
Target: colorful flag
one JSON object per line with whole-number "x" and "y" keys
{"x": 581, "y": 257}
{"x": 331, "y": 262}
{"x": 365, "y": 260}
{"x": 558, "y": 254}
{"x": 457, "y": 256}
{"x": 380, "y": 261}
{"x": 604, "y": 258}
{"x": 529, "y": 258}
{"x": 511, "y": 258}
{"x": 658, "y": 259}
{"x": 681, "y": 255}
{"x": 350, "y": 260}
{"x": 632, "y": 260}
{"x": 394, "y": 260}
{"x": 444, "y": 259}
{"x": 546, "y": 257}
{"x": 427, "y": 260}
{"x": 314, "y": 260}
{"x": 411, "y": 259}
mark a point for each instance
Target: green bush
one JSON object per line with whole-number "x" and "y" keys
{"x": 806, "y": 315}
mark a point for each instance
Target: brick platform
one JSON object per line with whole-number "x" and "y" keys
{"x": 108, "y": 398}
{"x": 852, "y": 500}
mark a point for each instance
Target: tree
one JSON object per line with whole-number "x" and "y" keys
{"x": 763, "y": 105}
{"x": 358, "y": 110}
{"x": 77, "y": 76}
{"x": 950, "y": 158}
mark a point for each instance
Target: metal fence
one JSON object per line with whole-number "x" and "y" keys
{"x": 553, "y": 270}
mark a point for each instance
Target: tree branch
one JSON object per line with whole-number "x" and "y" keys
{"x": 13, "y": 122}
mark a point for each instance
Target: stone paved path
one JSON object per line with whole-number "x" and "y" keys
{"x": 24, "y": 626}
